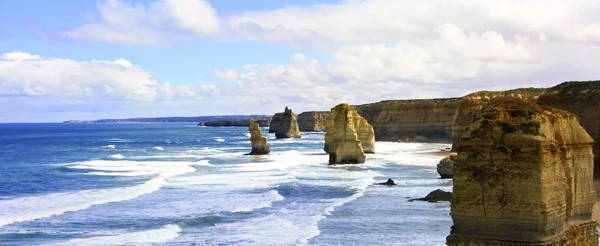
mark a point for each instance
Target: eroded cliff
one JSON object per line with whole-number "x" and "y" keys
{"x": 348, "y": 136}
{"x": 288, "y": 126}
{"x": 427, "y": 120}
{"x": 523, "y": 176}
{"x": 312, "y": 121}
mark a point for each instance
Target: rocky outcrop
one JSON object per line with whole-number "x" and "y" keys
{"x": 389, "y": 182}
{"x": 435, "y": 196}
{"x": 288, "y": 126}
{"x": 427, "y": 120}
{"x": 582, "y": 99}
{"x": 364, "y": 130}
{"x": 523, "y": 176}
{"x": 259, "y": 143}
{"x": 470, "y": 105}
{"x": 313, "y": 121}
{"x": 245, "y": 122}
{"x": 275, "y": 123}
{"x": 444, "y": 168}
{"x": 347, "y": 136}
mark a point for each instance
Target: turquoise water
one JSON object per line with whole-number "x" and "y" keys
{"x": 157, "y": 184}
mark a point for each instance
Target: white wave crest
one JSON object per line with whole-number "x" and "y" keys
{"x": 116, "y": 156}
{"x": 159, "y": 148}
{"x": 220, "y": 139}
{"x": 36, "y": 207}
{"x": 161, "y": 235}
{"x": 135, "y": 168}
{"x": 110, "y": 146}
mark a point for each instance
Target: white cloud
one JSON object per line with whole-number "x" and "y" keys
{"x": 30, "y": 75}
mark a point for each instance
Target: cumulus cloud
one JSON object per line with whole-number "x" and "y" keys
{"x": 24, "y": 74}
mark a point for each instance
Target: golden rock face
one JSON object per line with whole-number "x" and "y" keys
{"x": 313, "y": 121}
{"x": 259, "y": 143}
{"x": 423, "y": 120}
{"x": 523, "y": 176}
{"x": 288, "y": 126}
{"x": 348, "y": 136}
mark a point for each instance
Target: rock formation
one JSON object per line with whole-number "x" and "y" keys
{"x": 470, "y": 105}
{"x": 288, "y": 127}
{"x": 435, "y": 196}
{"x": 389, "y": 182}
{"x": 523, "y": 176}
{"x": 259, "y": 143}
{"x": 349, "y": 136}
{"x": 428, "y": 120}
{"x": 313, "y": 121}
{"x": 275, "y": 123}
{"x": 582, "y": 99}
{"x": 364, "y": 130}
{"x": 444, "y": 168}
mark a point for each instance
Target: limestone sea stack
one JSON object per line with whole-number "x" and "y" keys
{"x": 275, "y": 123}
{"x": 288, "y": 127}
{"x": 259, "y": 143}
{"x": 348, "y": 136}
{"x": 523, "y": 176}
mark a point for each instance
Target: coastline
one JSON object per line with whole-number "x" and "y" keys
{"x": 441, "y": 153}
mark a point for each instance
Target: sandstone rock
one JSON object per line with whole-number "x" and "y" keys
{"x": 348, "y": 135}
{"x": 470, "y": 105}
{"x": 275, "y": 123}
{"x": 523, "y": 176}
{"x": 259, "y": 143}
{"x": 444, "y": 168}
{"x": 313, "y": 121}
{"x": 288, "y": 128}
{"x": 389, "y": 182}
{"x": 427, "y": 120}
{"x": 582, "y": 99}
{"x": 435, "y": 196}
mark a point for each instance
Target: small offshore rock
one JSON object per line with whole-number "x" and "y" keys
{"x": 389, "y": 182}
{"x": 435, "y": 196}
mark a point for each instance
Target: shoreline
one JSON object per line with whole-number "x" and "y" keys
{"x": 440, "y": 153}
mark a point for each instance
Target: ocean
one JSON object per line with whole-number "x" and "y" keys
{"x": 179, "y": 184}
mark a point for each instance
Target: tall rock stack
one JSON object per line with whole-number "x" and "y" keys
{"x": 471, "y": 104}
{"x": 349, "y": 136}
{"x": 523, "y": 176}
{"x": 275, "y": 123}
{"x": 582, "y": 99}
{"x": 288, "y": 127}
{"x": 259, "y": 143}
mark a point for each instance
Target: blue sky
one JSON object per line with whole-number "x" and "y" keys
{"x": 93, "y": 59}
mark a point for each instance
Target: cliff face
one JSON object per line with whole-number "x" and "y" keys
{"x": 582, "y": 99}
{"x": 313, "y": 121}
{"x": 343, "y": 140}
{"x": 259, "y": 143}
{"x": 470, "y": 105}
{"x": 523, "y": 176}
{"x": 428, "y": 120}
{"x": 288, "y": 127}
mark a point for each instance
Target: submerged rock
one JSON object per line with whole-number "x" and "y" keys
{"x": 343, "y": 138}
{"x": 259, "y": 143}
{"x": 523, "y": 176}
{"x": 388, "y": 182}
{"x": 444, "y": 168}
{"x": 435, "y": 196}
{"x": 288, "y": 127}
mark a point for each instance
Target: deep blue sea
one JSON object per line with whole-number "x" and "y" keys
{"x": 179, "y": 184}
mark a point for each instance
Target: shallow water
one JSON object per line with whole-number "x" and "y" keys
{"x": 107, "y": 184}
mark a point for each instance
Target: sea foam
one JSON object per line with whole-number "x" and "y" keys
{"x": 160, "y": 235}
{"x": 36, "y": 207}
{"x": 134, "y": 168}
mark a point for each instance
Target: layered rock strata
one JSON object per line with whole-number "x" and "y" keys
{"x": 427, "y": 120}
{"x": 364, "y": 130}
{"x": 275, "y": 123}
{"x": 348, "y": 136}
{"x": 288, "y": 126}
{"x": 259, "y": 143}
{"x": 313, "y": 121}
{"x": 444, "y": 168}
{"x": 582, "y": 99}
{"x": 523, "y": 176}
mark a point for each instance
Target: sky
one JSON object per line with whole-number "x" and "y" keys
{"x": 94, "y": 59}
